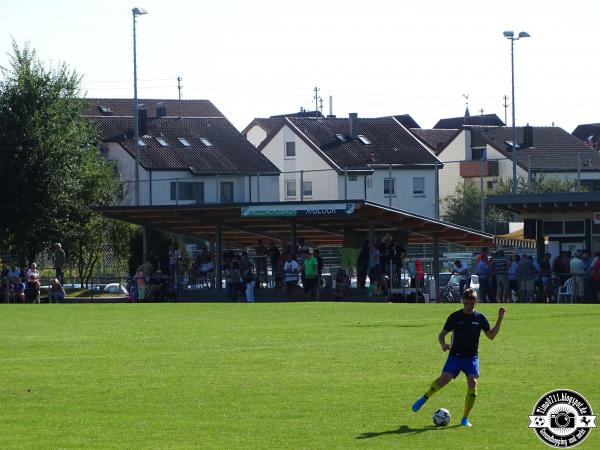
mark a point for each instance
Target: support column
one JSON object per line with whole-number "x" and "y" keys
{"x": 218, "y": 256}
{"x": 293, "y": 237}
{"x": 436, "y": 267}
{"x": 539, "y": 240}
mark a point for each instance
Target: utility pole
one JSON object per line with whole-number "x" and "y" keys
{"x": 505, "y": 107}
{"x": 317, "y": 98}
{"x": 321, "y": 105}
{"x": 179, "y": 87}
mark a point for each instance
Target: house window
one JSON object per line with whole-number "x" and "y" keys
{"x": 290, "y": 188}
{"x": 389, "y": 186}
{"x": 290, "y": 149}
{"x": 352, "y": 177}
{"x": 226, "y": 192}
{"x": 307, "y": 188}
{"x": 206, "y": 142}
{"x": 162, "y": 142}
{"x": 343, "y": 138}
{"x": 419, "y": 186}
{"x": 141, "y": 142}
{"x": 185, "y": 190}
{"x": 478, "y": 153}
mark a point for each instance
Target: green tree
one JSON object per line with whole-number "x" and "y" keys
{"x": 540, "y": 183}
{"x": 50, "y": 166}
{"x": 464, "y": 208}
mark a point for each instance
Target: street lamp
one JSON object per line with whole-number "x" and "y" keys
{"x": 511, "y": 35}
{"x": 136, "y": 12}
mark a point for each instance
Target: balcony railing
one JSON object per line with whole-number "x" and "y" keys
{"x": 486, "y": 168}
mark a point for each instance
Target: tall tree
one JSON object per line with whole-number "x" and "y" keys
{"x": 50, "y": 166}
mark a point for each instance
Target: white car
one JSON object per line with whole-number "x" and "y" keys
{"x": 115, "y": 288}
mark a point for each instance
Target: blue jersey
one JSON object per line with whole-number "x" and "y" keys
{"x": 466, "y": 329}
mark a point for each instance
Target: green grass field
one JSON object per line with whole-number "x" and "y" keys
{"x": 278, "y": 376}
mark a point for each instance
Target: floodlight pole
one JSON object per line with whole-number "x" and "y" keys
{"x": 136, "y": 138}
{"x": 511, "y": 35}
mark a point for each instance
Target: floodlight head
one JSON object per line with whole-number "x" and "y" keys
{"x": 524, "y": 34}
{"x": 508, "y": 34}
{"x": 139, "y": 11}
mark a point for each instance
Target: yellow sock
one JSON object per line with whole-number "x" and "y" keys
{"x": 470, "y": 400}
{"x": 433, "y": 389}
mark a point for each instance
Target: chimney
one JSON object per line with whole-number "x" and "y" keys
{"x": 142, "y": 120}
{"x": 527, "y": 136}
{"x": 353, "y": 127}
{"x": 161, "y": 110}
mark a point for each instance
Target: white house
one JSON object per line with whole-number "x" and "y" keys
{"x": 327, "y": 158}
{"x": 188, "y": 153}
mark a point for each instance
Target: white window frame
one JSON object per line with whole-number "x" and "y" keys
{"x": 418, "y": 191}
{"x": 386, "y": 187}
{"x": 307, "y": 188}
{"x": 286, "y": 149}
{"x": 288, "y": 184}
{"x": 221, "y": 186}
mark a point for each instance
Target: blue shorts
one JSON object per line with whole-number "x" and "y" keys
{"x": 455, "y": 364}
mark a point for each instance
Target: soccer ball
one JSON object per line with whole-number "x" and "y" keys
{"x": 441, "y": 417}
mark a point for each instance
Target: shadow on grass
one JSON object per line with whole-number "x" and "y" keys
{"x": 403, "y": 429}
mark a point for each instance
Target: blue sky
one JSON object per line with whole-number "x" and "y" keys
{"x": 260, "y": 58}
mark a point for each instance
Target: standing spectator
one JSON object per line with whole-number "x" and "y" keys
{"x": 577, "y": 268}
{"x": 341, "y": 284}
{"x": 362, "y": 265}
{"x": 513, "y": 276}
{"x": 57, "y": 291}
{"x": 546, "y": 277}
{"x": 464, "y": 278}
{"x": 232, "y": 279}
{"x": 484, "y": 274}
{"x": 174, "y": 261}
{"x": 274, "y": 255}
{"x": 260, "y": 261}
{"x": 32, "y": 292}
{"x": 374, "y": 268}
{"x": 310, "y": 271}
{"x": 527, "y": 279}
{"x": 290, "y": 276}
{"x": 595, "y": 272}
{"x": 397, "y": 257}
{"x": 501, "y": 271}
{"x": 59, "y": 262}
{"x": 320, "y": 263}
{"x": 249, "y": 280}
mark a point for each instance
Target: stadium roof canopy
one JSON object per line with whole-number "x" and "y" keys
{"x": 318, "y": 223}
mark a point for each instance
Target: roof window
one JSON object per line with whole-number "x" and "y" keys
{"x": 342, "y": 137}
{"x": 206, "y": 142}
{"x": 184, "y": 142}
{"x": 141, "y": 142}
{"x": 161, "y": 141}
{"x": 364, "y": 140}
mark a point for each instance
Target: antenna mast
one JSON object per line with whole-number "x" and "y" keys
{"x": 179, "y": 87}
{"x": 505, "y": 106}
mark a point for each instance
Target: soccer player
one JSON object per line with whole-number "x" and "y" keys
{"x": 466, "y": 325}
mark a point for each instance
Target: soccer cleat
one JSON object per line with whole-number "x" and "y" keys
{"x": 465, "y": 422}
{"x": 420, "y": 402}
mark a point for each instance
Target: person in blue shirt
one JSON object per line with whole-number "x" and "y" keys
{"x": 466, "y": 325}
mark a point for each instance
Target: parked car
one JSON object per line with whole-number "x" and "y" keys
{"x": 115, "y": 288}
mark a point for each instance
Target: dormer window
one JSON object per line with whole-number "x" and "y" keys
{"x": 364, "y": 140}
{"x": 478, "y": 153}
{"x": 184, "y": 142}
{"x": 162, "y": 142}
{"x": 206, "y": 142}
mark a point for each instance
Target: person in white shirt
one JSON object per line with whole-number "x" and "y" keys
{"x": 290, "y": 277}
